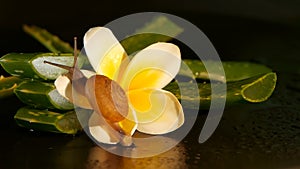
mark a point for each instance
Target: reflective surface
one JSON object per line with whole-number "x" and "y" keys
{"x": 250, "y": 136}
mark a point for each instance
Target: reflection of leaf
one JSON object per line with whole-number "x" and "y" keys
{"x": 52, "y": 42}
{"x": 261, "y": 87}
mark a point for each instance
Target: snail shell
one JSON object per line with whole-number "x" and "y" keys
{"x": 107, "y": 97}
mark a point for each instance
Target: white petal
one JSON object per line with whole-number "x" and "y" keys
{"x": 100, "y": 130}
{"x": 153, "y": 67}
{"x": 64, "y": 88}
{"x": 87, "y": 73}
{"x": 104, "y": 51}
{"x": 171, "y": 119}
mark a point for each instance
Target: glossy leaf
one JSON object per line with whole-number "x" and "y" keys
{"x": 7, "y": 85}
{"x": 261, "y": 89}
{"x": 31, "y": 65}
{"x": 234, "y": 71}
{"x": 237, "y": 91}
{"x": 45, "y": 120}
{"x": 42, "y": 95}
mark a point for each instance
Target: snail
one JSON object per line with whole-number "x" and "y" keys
{"x": 104, "y": 95}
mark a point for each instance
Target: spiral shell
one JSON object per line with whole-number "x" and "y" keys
{"x": 107, "y": 97}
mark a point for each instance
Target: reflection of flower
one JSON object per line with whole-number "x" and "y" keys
{"x": 174, "y": 158}
{"x": 152, "y": 110}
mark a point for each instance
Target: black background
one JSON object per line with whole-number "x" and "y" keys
{"x": 218, "y": 19}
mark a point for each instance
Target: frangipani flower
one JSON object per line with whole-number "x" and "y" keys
{"x": 152, "y": 110}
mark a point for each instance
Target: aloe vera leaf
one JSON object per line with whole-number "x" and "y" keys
{"x": 42, "y": 95}
{"x": 31, "y": 65}
{"x": 204, "y": 98}
{"x": 261, "y": 89}
{"x": 52, "y": 42}
{"x": 234, "y": 71}
{"x": 18, "y": 64}
{"x": 235, "y": 91}
{"x": 45, "y": 120}
{"x": 146, "y": 35}
{"x": 142, "y": 38}
{"x": 7, "y": 85}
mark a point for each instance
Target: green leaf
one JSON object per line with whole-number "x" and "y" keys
{"x": 254, "y": 89}
{"x": 31, "y": 65}
{"x": 42, "y": 95}
{"x": 45, "y": 120}
{"x": 52, "y": 42}
{"x": 7, "y": 85}
{"x": 261, "y": 89}
{"x": 148, "y": 35}
{"x": 234, "y": 71}
{"x": 142, "y": 38}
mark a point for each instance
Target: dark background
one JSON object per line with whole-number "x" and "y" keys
{"x": 220, "y": 20}
{"x": 265, "y": 135}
